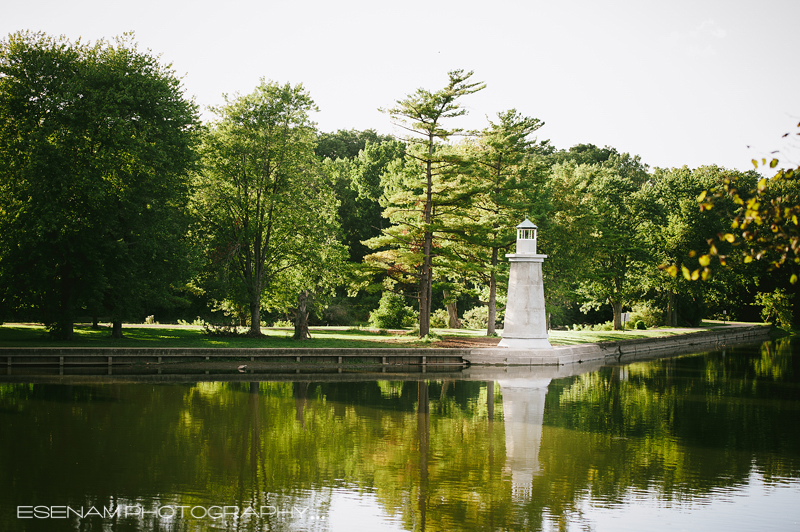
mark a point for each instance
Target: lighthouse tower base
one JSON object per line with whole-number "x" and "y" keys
{"x": 525, "y": 343}
{"x": 525, "y": 324}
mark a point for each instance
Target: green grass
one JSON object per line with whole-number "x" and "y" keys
{"x": 22, "y": 335}
{"x": 590, "y": 337}
{"x": 17, "y": 335}
{"x": 27, "y": 335}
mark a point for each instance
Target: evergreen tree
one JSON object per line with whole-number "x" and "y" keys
{"x": 412, "y": 191}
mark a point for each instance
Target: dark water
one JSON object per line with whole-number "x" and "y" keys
{"x": 702, "y": 442}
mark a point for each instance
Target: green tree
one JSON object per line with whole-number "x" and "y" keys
{"x": 620, "y": 203}
{"x": 500, "y": 182}
{"x": 357, "y": 183}
{"x": 96, "y": 142}
{"x": 269, "y": 213}
{"x": 763, "y": 221}
{"x": 346, "y": 143}
{"x": 412, "y": 196}
{"x": 686, "y": 229}
{"x": 776, "y": 307}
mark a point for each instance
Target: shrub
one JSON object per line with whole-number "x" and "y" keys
{"x": 430, "y": 338}
{"x": 283, "y": 323}
{"x": 640, "y": 325}
{"x": 440, "y": 319}
{"x": 646, "y": 311}
{"x": 223, "y": 330}
{"x": 777, "y": 308}
{"x": 392, "y": 313}
{"x": 197, "y": 321}
{"x": 607, "y": 326}
{"x": 476, "y": 318}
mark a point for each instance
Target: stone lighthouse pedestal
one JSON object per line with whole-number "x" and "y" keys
{"x": 526, "y": 320}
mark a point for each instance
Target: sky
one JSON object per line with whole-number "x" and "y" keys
{"x": 678, "y": 82}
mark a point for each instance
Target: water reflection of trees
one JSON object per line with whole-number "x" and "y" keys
{"x": 680, "y": 427}
{"x": 435, "y": 454}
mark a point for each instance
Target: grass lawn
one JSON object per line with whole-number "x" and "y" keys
{"x": 26, "y": 335}
{"x": 590, "y": 337}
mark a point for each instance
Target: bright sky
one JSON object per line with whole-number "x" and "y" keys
{"x": 679, "y": 82}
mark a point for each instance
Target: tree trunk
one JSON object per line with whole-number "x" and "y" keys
{"x": 300, "y": 393}
{"x": 672, "y": 316}
{"x": 490, "y": 331}
{"x": 425, "y": 289}
{"x": 301, "y": 317}
{"x": 426, "y": 278}
{"x": 452, "y": 312}
{"x": 255, "y": 320}
{"x": 255, "y": 314}
{"x": 617, "y": 306}
{"x": 116, "y": 329}
{"x": 65, "y": 324}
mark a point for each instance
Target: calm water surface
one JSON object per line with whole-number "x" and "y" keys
{"x": 701, "y": 442}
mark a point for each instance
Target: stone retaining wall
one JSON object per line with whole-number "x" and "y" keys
{"x": 627, "y": 350}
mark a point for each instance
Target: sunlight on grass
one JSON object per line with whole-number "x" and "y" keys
{"x": 590, "y": 337}
{"x": 26, "y": 335}
{"x": 19, "y": 335}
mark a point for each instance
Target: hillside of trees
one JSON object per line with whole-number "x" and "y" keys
{"x": 117, "y": 203}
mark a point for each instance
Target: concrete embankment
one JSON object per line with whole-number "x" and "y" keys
{"x": 294, "y": 357}
{"x": 387, "y": 358}
{"x": 716, "y": 338}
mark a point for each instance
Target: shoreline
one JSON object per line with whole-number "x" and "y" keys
{"x": 350, "y": 358}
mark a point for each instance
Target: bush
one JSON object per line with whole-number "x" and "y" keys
{"x": 392, "y": 313}
{"x": 607, "y": 326}
{"x": 640, "y": 325}
{"x": 648, "y": 313}
{"x": 223, "y": 330}
{"x": 777, "y": 308}
{"x": 476, "y": 318}
{"x": 430, "y": 338}
{"x": 440, "y": 319}
{"x": 283, "y": 323}
{"x": 197, "y": 321}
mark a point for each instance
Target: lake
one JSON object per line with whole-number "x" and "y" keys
{"x": 707, "y": 441}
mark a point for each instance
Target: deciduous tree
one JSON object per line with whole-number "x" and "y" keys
{"x": 269, "y": 212}
{"x": 95, "y": 146}
{"x": 620, "y": 202}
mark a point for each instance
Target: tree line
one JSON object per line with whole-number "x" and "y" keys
{"x": 116, "y": 201}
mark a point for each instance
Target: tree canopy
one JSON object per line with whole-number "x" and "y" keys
{"x": 96, "y": 142}
{"x": 269, "y": 214}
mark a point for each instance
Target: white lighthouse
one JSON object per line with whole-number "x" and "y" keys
{"x": 525, "y": 325}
